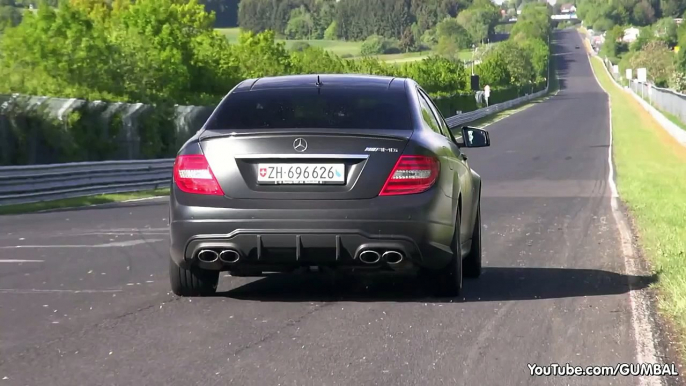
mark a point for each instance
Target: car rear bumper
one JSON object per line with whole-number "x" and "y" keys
{"x": 279, "y": 235}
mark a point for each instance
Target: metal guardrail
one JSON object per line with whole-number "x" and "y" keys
{"x": 35, "y": 183}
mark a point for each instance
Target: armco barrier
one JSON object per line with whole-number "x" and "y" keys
{"x": 34, "y": 183}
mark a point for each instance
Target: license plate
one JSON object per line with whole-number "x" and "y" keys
{"x": 301, "y": 173}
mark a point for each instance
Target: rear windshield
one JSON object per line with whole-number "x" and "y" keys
{"x": 333, "y": 108}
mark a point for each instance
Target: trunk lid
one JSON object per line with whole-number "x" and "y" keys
{"x": 286, "y": 158}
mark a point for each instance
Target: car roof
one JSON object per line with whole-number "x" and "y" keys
{"x": 325, "y": 80}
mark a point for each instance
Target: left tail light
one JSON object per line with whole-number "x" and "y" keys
{"x": 192, "y": 174}
{"x": 412, "y": 174}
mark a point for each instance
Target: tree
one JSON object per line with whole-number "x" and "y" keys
{"x": 613, "y": 45}
{"x": 658, "y": 60}
{"x": 226, "y": 12}
{"x": 407, "y": 42}
{"x": 672, "y": 8}
{"x": 645, "y": 36}
{"x": 477, "y": 22}
{"x": 666, "y": 30}
{"x": 518, "y": 61}
{"x": 644, "y": 13}
{"x": 331, "y": 32}
{"x": 374, "y": 45}
{"x": 493, "y": 70}
{"x": 451, "y": 37}
{"x": 539, "y": 55}
{"x": 10, "y": 16}
{"x": 300, "y": 25}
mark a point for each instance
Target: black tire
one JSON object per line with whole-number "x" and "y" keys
{"x": 472, "y": 263}
{"x": 448, "y": 281}
{"x": 193, "y": 281}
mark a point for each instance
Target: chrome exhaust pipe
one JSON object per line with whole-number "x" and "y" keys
{"x": 370, "y": 257}
{"x": 229, "y": 256}
{"x": 208, "y": 256}
{"x": 392, "y": 257}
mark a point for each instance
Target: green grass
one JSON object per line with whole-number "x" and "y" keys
{"x": 348, "y": 49}
{"x": 80, "y": 201}
{"x": 674, "y": 119}
{"x": 667, "y": 115}
{"x": 337, "y": 47}
{"x": 651, "y": 168}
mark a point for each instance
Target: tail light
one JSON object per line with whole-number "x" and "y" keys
{"x": 192, "y": 174}
{"x": 411, "y": 174}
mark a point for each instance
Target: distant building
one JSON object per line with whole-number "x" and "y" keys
{"x": 630, "y": 35}
{"x": 568, "y": 8}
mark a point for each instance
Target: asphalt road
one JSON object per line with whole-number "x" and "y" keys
{"x": 85, "y": 300}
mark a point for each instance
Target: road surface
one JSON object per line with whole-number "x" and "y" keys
{"x": 84, "y": 294}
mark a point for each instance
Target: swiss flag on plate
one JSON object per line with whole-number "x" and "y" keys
{"x": 263, "y": 172}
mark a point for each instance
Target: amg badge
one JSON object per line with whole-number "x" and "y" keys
{"x": 382, "y": 149}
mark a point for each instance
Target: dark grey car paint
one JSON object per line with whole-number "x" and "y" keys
{"x": 353, "y": 211}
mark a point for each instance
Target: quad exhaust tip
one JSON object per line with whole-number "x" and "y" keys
{"x": 229, "y": 256}
{"x": 393, "y": 257}
{"x": 370, "y": 257}
{"x": 208, "y": 256}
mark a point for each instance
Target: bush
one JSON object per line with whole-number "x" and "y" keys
{"x": 300, "y": 46}
{"x": 378, "y": 45}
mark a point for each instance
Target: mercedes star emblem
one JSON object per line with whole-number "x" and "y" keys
{"x": 300, "y": 145}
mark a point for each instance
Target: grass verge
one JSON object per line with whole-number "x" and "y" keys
{"x": 650, "y": 178}
{"x": 80, "y": 201}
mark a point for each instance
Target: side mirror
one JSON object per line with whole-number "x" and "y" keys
{"x": 473, "y": 137}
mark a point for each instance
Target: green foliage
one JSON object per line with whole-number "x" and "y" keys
{"x": 534, "y": 22}
{"x": 226, "y": 12}
{"x": 166, "y": 52}
{"x": 666, "y": 30}
{"x": 357, "y": 19}
{"x": 407, "y": 41}
{"x": 539, "y": 55}
{"x": 478, "y": 21}
{"x": 494, "y": 70}
{"x": 681, "y": 56}
{"x": 301, "y": 24}
{"x": 10, "y": 16}
{"x": 604, "y": 14}
{"x": 377, "y": 45}
{"x": 157, "y": 136}
{"x": 522, "y": 59}
{"x": 436, "y": 74}
{"x": 646, "y": 35}
{"x": 613, "y": 46}
{"x": 451, "y": 37}
{"x": 658, "y": 60}
{"x": 331, "y": 31}
{"x": 678, "y": 81}
{"x": 300, "y": 46}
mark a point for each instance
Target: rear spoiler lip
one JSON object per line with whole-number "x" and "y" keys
{"x": 388, "y": 134}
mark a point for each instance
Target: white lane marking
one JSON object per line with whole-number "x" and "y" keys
{"x": 129, "y": 243}
{"x": 20, "y": 261}
{"x": 40, "y": 291}
{"x": 640, "y": 314}
{"x": 147, "y": 199}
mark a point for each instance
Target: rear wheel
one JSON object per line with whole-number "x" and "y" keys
{"x": 448, "y": 281}
{"x": 472, "y": 263}
{"x": 193, "y": 281}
